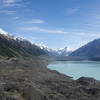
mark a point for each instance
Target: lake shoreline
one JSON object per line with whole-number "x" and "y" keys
{"x": 30, "y": 79}
{"x": 77, "y": 69}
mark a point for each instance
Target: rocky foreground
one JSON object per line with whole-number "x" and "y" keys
{"x": 29, "y": 79}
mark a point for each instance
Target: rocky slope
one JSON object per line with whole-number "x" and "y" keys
{"x": 11, "y": 46}
{"x": 29, "y": 79}
{"x": 15, "y": 47}
{"x": 90, "y": 50}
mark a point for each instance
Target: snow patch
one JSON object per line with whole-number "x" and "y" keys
{"x": 3, "y": 32}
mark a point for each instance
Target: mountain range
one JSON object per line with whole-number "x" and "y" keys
{"x": 55, "y": 52}
{"x": 11, "y": 46}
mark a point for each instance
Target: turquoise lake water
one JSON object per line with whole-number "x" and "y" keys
{"x": 77, "y": 69}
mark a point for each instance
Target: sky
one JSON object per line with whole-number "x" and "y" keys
{"x": 54, "y": 23}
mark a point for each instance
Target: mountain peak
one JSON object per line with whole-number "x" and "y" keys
{"x": 91, "y": 49}
{"x": 3, "y": 32}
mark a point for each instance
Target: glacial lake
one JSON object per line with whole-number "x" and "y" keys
{"x": 77, "y": 69}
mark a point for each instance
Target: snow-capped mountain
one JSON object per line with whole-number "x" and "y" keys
{"x": 63, "y": 51}
{"x": 49, "y": 51}
{"x": 28, "y": 46}
{"x": 55, "y": 52}
{"x": 11, "y": 46}
{"x": 3, "y": 32}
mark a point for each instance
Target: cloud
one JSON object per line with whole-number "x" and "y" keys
{"x": 16, "y": 18}
{"x": 58, "y": 31}
{"x": 11, "y": 3}
{"x": 38, "y": 29}
{"x": 7, "y": 12}
{"x": 94, "y": 35}
{"x": 71, "y": 11}
{"x": 93, "y": 19}
{"x": 97, "y": 25}
{"x": 38, "y": 21}
{"x": 34, "y": 21}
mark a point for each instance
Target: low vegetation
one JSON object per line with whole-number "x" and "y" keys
{"x": 29, "y": 79}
